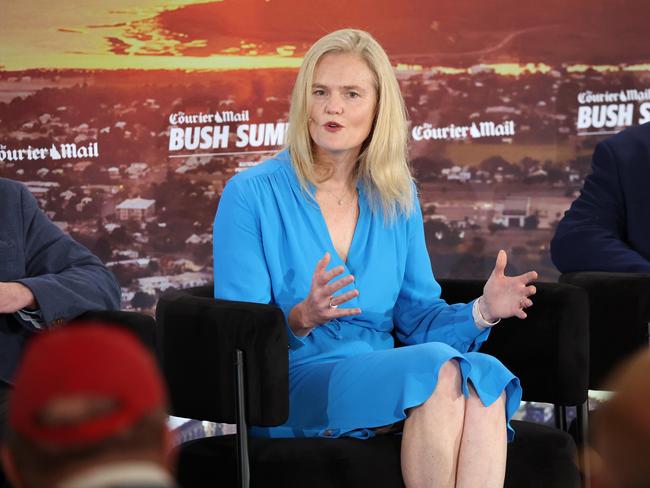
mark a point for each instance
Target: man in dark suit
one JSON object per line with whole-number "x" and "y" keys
{"x": 607, "y": 227}
{"x": 46, "y": 278}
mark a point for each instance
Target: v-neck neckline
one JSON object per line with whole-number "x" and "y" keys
{"x": 309, "y": 195}
{"x": 325, "y": 230}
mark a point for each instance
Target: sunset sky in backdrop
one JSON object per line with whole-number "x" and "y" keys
{"x": 511, "y": 36}
{"x": 74, "y": 34}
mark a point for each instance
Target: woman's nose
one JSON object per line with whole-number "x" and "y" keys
{"x": 334, "y": 106}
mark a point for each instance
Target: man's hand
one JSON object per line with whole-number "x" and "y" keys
{"x": 14, "y": 297}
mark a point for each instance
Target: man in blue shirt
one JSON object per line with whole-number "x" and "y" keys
{"x": 607, "y": 227}
{"x": 46, "y": 278}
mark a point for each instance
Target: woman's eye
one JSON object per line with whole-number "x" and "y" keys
{"x": 353, "y": 94}
{"x": 319, "y": 93}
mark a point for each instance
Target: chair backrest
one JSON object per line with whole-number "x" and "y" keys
{"x": 549, "y": 350}
{"x": 143, "y": 326}
{"x": 197, "y": 339}
{"x": 619, "y": 316}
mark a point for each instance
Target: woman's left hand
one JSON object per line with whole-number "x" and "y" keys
{"x": 506, "y": 296}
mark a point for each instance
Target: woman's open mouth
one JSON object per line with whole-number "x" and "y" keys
{"x": 332, "y": 126}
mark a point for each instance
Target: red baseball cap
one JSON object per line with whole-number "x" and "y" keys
{"x": 84, "y": 361}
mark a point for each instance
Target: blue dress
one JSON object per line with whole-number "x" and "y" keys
{"x": 346, "y": 377}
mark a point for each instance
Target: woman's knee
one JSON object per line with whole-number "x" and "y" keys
{"x": 449, "y": 385}
{"x": 447, "y": 396}
{"x": 449, "y": 373}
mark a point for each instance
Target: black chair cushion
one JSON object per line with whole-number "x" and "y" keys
{"x": 373, "y": 463}
{"x": 549, "y": 350}
{"x": 619, "y": 314}
{"x": 541, "y": 457}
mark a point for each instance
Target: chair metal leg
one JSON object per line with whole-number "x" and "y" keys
{"x": 243, "y": 463}
{"x": 560, "y": 417}
{"x": 582, "y": 439}
{"x": 582, "y": 423}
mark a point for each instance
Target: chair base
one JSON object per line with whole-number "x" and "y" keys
{"x": 539, "y": 456}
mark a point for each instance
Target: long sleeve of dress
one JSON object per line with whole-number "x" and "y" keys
{"x": 420, "y": 315}
{"x": 240, "y": 268}
{"x": 592, "y": 236}
{"x": 240, "y": 271}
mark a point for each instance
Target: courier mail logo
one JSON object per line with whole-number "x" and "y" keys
{"x": 209, "y": 131}
{"x": 606, "y": 112}
{"x": 55, "y": 152}
{"x": 476, "y": 130}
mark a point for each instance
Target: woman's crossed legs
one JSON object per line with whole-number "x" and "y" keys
{"x": 452, "y": 441}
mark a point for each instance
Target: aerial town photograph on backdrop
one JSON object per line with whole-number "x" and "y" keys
{"x": 128, "y": 137}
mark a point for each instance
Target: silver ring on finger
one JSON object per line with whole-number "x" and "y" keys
{"x": 331, "y": 304}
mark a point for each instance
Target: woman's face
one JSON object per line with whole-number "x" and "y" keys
{"x": 343, "y": 100}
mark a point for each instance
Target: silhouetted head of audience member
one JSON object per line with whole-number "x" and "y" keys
{"x": 88, "y": 409}
{"x": 621, "y": 429}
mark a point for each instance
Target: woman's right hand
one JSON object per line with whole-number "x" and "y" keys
{"x": 321, "y": 306}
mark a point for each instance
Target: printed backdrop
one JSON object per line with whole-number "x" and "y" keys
{"x": 126, "y": 118}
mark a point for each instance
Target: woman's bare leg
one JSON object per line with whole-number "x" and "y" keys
{"x": 432, "y": 434}
{"x": 483, "y": 447}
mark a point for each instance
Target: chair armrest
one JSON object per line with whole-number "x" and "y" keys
{"x": 197, "y": 338}
{"x": 549, "y": 350}
{"x": 619, "y": 316}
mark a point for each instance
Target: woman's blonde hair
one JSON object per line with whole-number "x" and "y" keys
{"x": 382, "y": 165}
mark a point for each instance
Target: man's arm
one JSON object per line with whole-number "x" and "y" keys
{"x": 591, "y": 235}
{"x": 65, "y": 278}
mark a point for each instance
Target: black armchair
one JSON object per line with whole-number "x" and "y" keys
{"x": 198, "y": 337}
{"x": 619, "y": 318}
